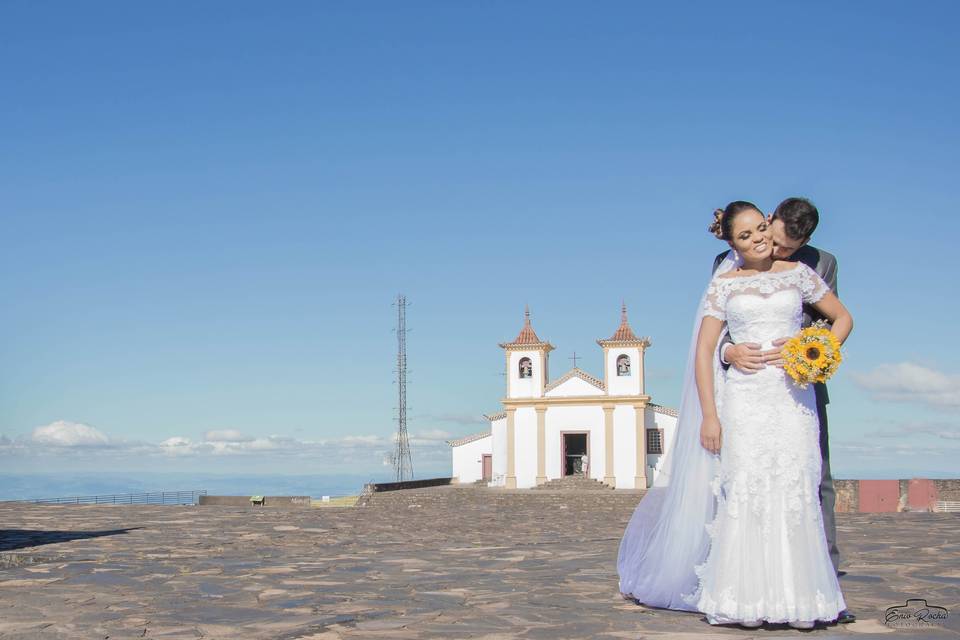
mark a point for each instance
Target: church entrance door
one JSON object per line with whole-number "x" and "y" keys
{"x": 574, "y": 455}
{"x": 487, "y": 467}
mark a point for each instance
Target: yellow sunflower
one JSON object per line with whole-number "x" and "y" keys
{"x": 813, "y": 355}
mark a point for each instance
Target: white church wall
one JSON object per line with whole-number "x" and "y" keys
{"x": 573, "y": 418}
{"x": 526, "y": 387}
{"x": 658, "y": 420}
{"x": 468, "y": 459}
{"x": 574, "y": 387}
{"x": 624, "y": 446}
{"x": 597, "y": 451}
{"x": 623, "y": 385}
{"x": 498, "y": 430}
{"x": 552, "y": 447}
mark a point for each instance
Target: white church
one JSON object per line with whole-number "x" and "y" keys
{"x": 574, "y": 425}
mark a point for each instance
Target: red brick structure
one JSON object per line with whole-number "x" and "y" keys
{"x": 889, "y": 496}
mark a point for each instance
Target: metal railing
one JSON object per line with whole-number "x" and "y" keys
{"x": 947, "y": 506}
{"x": 156, "y": 497}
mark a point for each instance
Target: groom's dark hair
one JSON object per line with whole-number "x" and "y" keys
{"x": 799, "y": 217}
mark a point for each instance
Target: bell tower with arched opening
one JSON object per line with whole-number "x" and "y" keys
{"x": 623, "y": 359}
{"x": 527, "y": 359}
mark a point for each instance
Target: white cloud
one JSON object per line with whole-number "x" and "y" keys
{"x": 897, "y": 452}
{"x": 456, "y": 418}
{"x": 890, "y": 458}
{"x": 225, "y": 435}
{"x": 908, "y": 429}
{"x": 65, "y": 438}
{"x": 430, "y": 435}
{"x": 69, "y": 434}
{"x": 175, "y": 446}
{"x": 363, "y": 440}
{"x": 911, "y": 383}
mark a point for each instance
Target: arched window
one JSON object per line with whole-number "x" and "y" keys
{"x": 526, "y": 368}
{"x": 623, "y": 365}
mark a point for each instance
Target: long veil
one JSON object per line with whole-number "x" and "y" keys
{"x": 667, "y": 534}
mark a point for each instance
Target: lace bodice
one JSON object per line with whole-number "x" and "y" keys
{"x": 765, "y": 306}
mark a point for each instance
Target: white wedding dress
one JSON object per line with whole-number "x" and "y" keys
{"x": 768, "y": 557}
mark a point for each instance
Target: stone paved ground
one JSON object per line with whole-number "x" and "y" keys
{"x": 447, "y": 562}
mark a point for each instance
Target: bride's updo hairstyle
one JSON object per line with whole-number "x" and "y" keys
{"x": 722, "y": 226}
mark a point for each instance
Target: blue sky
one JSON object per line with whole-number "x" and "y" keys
{"x": 208, "y": 210}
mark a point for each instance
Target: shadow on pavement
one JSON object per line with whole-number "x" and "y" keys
{"x": 11, "y": 539}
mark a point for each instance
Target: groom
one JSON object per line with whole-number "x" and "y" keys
{"x": 791, "y": 225}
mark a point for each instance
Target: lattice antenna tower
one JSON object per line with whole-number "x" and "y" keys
{"x": 402, "y": 462}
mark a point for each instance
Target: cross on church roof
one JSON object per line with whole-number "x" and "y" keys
{"x": 574, "y": 358}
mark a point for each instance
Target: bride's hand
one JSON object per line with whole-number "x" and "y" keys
{"x": 710, "y": 432}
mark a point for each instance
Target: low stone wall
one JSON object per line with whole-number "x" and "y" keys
{"x": 285, "y": 502}
{"x": 848, "y": 495}
{"x": 948, "y": 489}
{"x": 377, "y": 487}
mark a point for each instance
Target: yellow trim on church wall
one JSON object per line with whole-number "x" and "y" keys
{"x": 541, "y": 443}
{"x": 511, "y": 480}
{"x": 640, "y": 478}
{"x": 518, "y": 403}
{"x": 608, "y": 477}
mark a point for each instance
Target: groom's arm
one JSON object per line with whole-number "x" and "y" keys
{"x": 829, "y": 274}
{"x": 826, "y": 268}
{"x": 746, "y": 356}
{"x": 725, "y": 340}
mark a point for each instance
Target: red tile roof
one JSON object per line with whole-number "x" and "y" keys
{"x": 468, "y": 439}
{"x": 667, "y": 411}
{"x": 624, "y": 333}
{"x": 527, "y": 335}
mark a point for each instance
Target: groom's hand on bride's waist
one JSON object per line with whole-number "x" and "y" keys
{"x": 774, "y": 357}
{"x": 747, "y": 357}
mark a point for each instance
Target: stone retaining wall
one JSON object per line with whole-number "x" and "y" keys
{"x": 284, "y": 502}
{"x": 377, "y": 487}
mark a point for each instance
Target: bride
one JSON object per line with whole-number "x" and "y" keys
{"x": 732, "y": 526}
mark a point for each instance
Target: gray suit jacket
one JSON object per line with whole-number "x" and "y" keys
{"x": 825, "y": 264}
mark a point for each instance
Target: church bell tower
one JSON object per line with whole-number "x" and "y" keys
{"x": 526, "y": 360}
{"x": 623, "y": 360}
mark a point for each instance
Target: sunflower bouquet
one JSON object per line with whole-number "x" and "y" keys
{"x": 813, "y": 355}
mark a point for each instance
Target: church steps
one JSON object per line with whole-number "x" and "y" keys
{"x": 574, "y": 483}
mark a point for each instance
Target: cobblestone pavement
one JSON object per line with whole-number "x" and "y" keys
{"x": 446, "y": 562}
